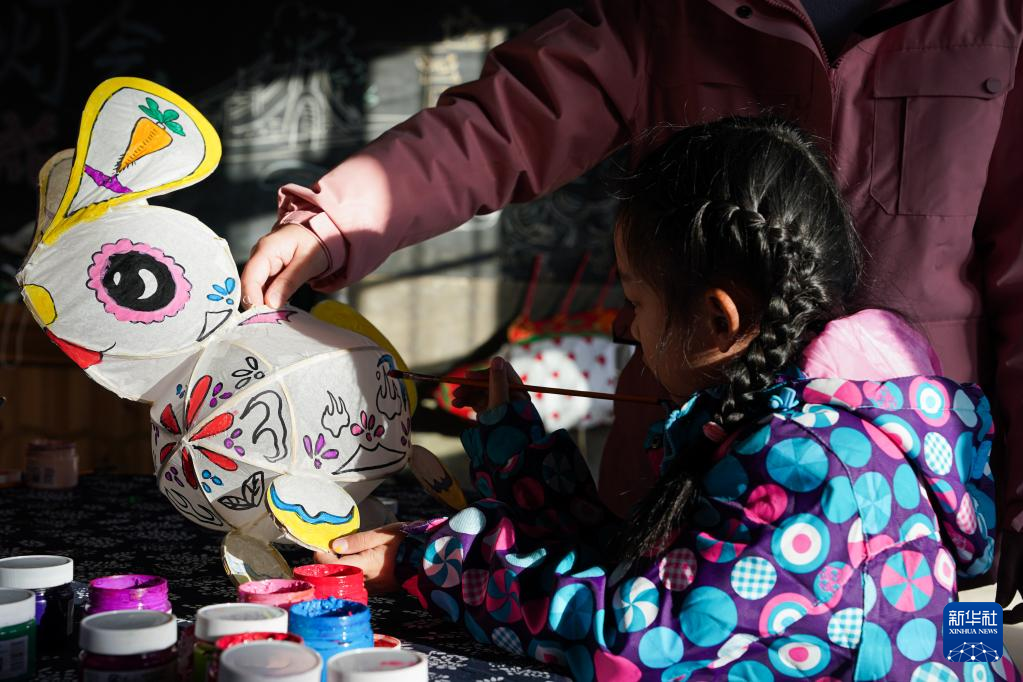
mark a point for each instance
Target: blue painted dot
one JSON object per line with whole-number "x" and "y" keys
{"x": 683, "y": 672}
{"x": 708, "y": 616}
{"x": 869, "y": 593}
{"x": 878, "y": 663}
{"x": 580, "y": 663}
{"x": 571, "y": 611}
{"x": 874, "y": 499}
{"x": 754, "y": 444}
{"x": 837, "y": 500}
{"x": 799, "y": 464}
{"x": 660, "y": 647}
{"x": 727, "y": 480}
{"x": 916, "y": 639}
{"x": 566, "y": 563}
{"x": 750, "y": 671}
{"x": 907, "y": 487}
{"x": 965, "y": 454}
{"x": 851, "y": 446}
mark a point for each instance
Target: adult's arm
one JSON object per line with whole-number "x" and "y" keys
{"x": 998, "y": 238}
{"x": 550, "y": 104}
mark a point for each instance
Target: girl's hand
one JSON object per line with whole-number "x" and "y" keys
{"x": 374, "y": 551}
{"x": 501, "y": 377}
{"x": 280, "y": 263}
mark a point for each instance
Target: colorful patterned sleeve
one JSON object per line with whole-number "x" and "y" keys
{"x": 514, "y": 460}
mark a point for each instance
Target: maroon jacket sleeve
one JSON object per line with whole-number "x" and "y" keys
{"x": 550, "y": 104}
{"x": 999, "y": 243}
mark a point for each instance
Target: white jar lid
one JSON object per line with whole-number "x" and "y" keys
{"x": 16, "y": 606}
{"x": 377, "y": 665}
{"x": 124, "y": 633}
{"x": 217, "y": 620}
{"x": 268, "y": 660}
{"x": 36, "y": 571}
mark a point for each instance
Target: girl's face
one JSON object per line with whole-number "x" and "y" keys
{"x": 681, "y": 367}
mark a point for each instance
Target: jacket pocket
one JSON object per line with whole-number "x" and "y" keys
{"x": 936, "y": 118}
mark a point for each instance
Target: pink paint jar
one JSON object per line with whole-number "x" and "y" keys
{"x": 335, "y": 580}
{"x": 275, "y": 592}
{"x": 134, "y": 592}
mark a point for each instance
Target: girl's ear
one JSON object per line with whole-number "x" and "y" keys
{"x": 724, "y": 321}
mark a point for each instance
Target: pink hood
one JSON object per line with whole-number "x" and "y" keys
{"x": 871, "y": 344}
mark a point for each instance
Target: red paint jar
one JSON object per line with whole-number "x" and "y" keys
{"x": 335, "y": 580}
{"x": 228, "y": 641}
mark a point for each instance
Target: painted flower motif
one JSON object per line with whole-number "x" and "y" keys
{"x": 172, "y": 475}
{"x": 218, "y": 395}
{"x": 406, "y": 427}
{"x": 251, "y": 372}
{"x": 230, "y": 440}
{"x": 208, "y": 476}
{"x": 317, "y": 453}
{"x": 369, "y": 427}
{"x": 223, "y": 293}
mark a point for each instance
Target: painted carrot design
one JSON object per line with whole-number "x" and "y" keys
{"x": 149, "y": 135}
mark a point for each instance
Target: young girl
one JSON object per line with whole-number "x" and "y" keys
{"x": 801, "y": 527}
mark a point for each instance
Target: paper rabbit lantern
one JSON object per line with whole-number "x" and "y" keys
{"x": 269, "y": 423}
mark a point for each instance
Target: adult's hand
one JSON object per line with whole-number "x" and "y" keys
{"x": 280, "y": 263}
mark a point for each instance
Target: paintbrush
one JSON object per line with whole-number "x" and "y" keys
{"x": 482, "y": 383}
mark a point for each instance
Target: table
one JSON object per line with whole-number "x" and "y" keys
{"x": 121, "y": 524}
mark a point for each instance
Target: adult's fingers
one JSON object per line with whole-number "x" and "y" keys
{"x": 360, "y": 542}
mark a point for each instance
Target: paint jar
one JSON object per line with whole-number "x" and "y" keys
{"x": 276, "y": 592}
{"x": 219, "y": 620}
{"x": 271, "y": 662}
{"x": 225, "y": 643}
{"x": 17, "y": 634}
{"x": 378, "y": 665}
{"x": 128, "y": 592}
{"x": 335, "y": 580}
{"x": 51, "y": 465}
{"x": 129, "y": 645}
{"x": 49, "y": 577}
{"x": 385, "y": 641}
{"x": 331, "y": 625}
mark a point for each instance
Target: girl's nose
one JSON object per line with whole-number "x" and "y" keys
{"x": 40, "y": 302}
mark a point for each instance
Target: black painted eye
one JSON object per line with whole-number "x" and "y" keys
{"x": 138, "y": 281}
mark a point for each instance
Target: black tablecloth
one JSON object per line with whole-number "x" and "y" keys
{"x": 121, "y": 524}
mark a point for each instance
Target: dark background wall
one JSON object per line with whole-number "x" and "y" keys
{"x": 292, "y": 87}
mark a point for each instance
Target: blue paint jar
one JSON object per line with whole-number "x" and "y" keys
{"x": 330, "y": 626}
{"x": 49, "y": 577}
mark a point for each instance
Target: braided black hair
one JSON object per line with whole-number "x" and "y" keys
{"x": 745, "y": 202}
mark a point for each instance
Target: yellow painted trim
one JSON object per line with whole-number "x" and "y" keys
{"x": 61, "y": 221}
{"x": 347, "y": 317}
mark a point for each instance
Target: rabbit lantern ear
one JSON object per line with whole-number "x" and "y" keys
{"x": 137, "y": 139}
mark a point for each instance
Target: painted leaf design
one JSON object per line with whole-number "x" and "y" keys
{"x": 252, "y": 494}
{"x": 186, "y": 461}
